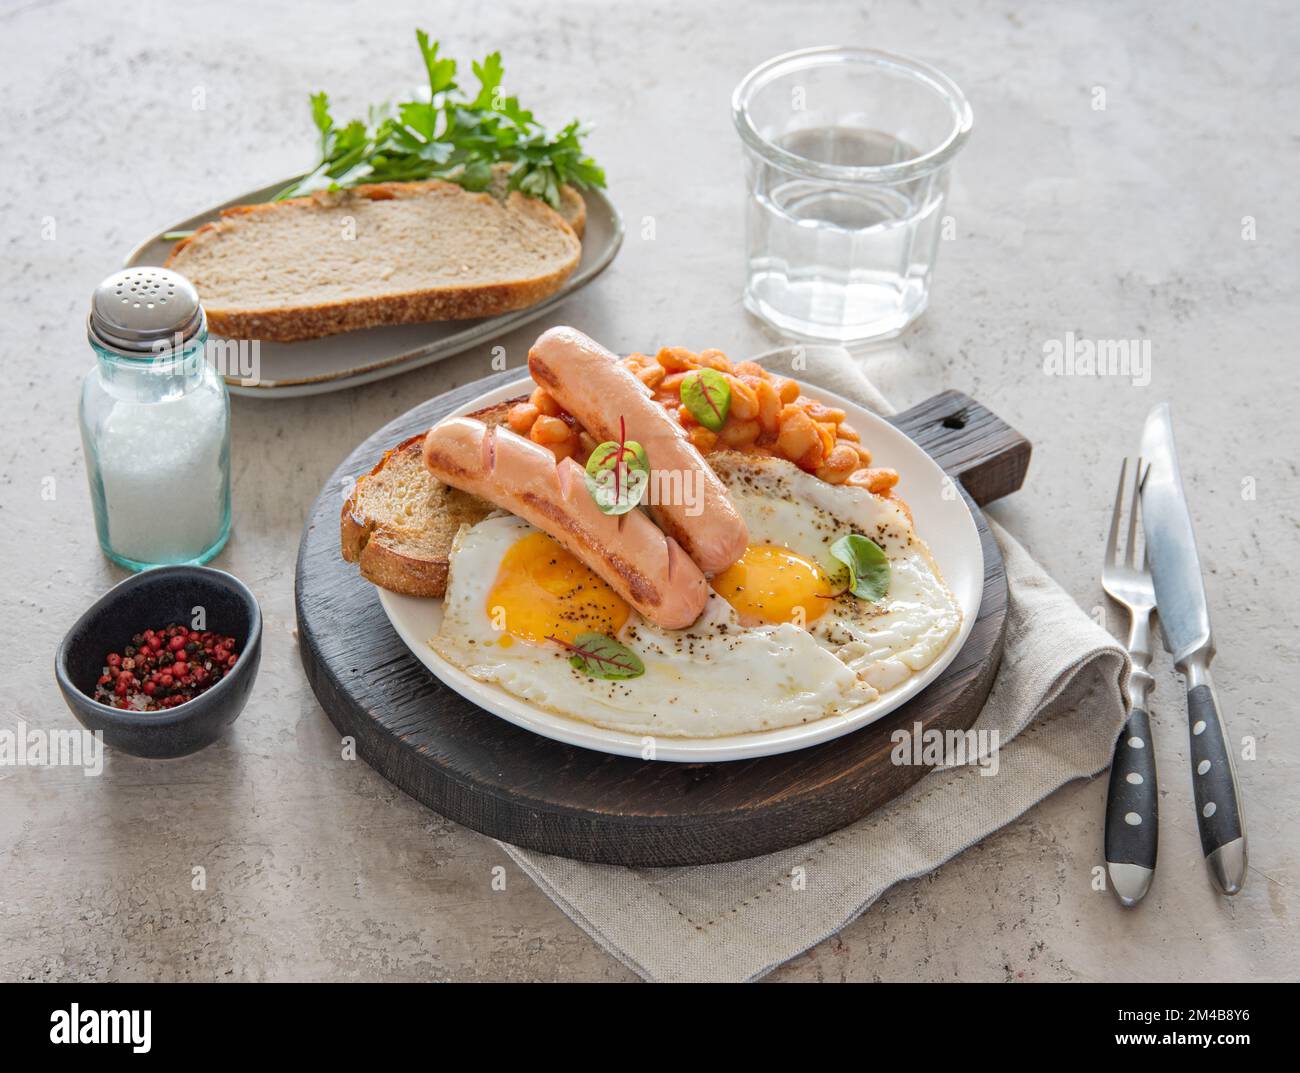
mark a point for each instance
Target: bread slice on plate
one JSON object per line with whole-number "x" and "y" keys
{"x": 399, "y": 522}
{"x": 387, "y": 253}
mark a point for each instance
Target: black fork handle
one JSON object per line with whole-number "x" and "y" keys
{"x": 1132, "y": 811}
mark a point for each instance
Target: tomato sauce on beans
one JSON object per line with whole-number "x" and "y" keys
{"x": 769, "y": 415}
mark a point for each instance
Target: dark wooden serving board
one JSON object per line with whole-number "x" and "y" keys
{"x": 512, "y": 784}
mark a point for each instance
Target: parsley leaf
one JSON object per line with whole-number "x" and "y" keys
{"x": 449, "y": 136}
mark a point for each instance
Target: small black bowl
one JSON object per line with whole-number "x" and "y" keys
{"x": 150, "y": 600}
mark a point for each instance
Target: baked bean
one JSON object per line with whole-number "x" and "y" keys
{"x": 752, "y": 368}
{"x": 676, "y": 359}
{"x": 769, "y": 408}
{"x": 845, "y": 431}
{"x": 880, "y": 481}
{"x": 820, "y": 412}
{"x": 787, "y": 389}
{"x": 739, "y": 433}
{"x": 883, "y": 480}
{"x": 813, "y": 459}
{"x": 564, "y": 450}
{"x": 841, "y": 462}
{"x": 521, "y": 417}
{"x": 544, "y": 403}
{"x": 715, "y": 359}
{"x": 652, "y": 375}
{"x": 744, "y": 400}
{"x": 702, "y": 439}
{"x": 551, "y": 430}
{"x": 797, "y": 435}
{"x": 672, "y": 384}
{"x": 863, "y": 454}
{"x": 828, "y": 437}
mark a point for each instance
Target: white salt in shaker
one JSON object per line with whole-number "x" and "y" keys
{"x": 155, "y": 423}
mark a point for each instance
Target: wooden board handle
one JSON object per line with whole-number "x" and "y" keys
{"x": 970, "y": 442}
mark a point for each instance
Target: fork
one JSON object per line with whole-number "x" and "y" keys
{"x": 1132, "y": 807}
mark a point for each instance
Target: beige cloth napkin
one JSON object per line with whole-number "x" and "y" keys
{"x": 1058, "y": 704}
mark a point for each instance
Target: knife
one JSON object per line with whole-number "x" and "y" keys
{"x": 1185, "y": 624}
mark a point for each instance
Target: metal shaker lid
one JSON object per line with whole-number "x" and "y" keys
{"x": 136, "y": 308}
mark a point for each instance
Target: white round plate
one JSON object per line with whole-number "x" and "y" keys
{"x": 944, "y": 523}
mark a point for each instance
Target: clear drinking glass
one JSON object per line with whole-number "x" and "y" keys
{"x": 847, "y": 155}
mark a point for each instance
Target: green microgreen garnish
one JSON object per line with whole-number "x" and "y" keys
{"x": 601, "y": 656}
{"x": 868, "y": 566}
{"x": 618, "y": 473}
{"x": 706, "y": 393}
{"x": 450, "y": 136}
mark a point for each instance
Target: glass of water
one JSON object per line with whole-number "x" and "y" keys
{"x": 847, "y": 154}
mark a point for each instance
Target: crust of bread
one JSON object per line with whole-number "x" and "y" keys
{"x": 289, "y": 324}
{"x": 574, "y": 210}
{"x": 381, "y": 565}
{"x": 330, "y": 318}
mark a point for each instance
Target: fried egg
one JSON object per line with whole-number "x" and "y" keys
{"x": 788, "y": 575}
{"x": 514, "y": 594}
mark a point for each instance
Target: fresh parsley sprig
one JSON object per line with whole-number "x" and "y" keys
{"x": 450, "y": 136}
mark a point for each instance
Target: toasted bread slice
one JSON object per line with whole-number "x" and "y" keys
{"x": 399, "y": 522}
{"x": 387, "y": 253}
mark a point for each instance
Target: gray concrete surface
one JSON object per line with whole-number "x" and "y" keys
{"x": 1119, "y": 223}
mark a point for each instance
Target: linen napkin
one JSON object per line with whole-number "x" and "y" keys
{"x": 1058, "y": 703}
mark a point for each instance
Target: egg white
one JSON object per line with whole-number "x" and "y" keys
{"x": 886, "y": 642}
{"x": 713, "y": 679}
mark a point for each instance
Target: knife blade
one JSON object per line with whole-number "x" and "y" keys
{"x": 1185, "y": 624}
{"x": 1175, "y": 565}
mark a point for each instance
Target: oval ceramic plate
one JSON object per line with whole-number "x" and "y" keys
{"x": 944, "y": 523}
{"x": 342, "y": 361}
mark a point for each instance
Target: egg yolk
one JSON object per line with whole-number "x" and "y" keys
{"x": 771, "y": 585}
{"x": 543, "y": 591}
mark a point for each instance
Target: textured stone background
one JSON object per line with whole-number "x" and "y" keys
{"x": 1122, "y": 223}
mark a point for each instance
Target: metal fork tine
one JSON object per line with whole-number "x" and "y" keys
{"x": 1131, "y": 559}
{"x": 1112, "y": 541}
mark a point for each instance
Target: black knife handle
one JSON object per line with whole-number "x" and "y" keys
{"x": 1214, "y": 783}
{"x": 1132, "y": 803}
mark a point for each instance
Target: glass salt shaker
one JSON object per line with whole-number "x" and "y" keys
{"x": 155, "y": 423}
